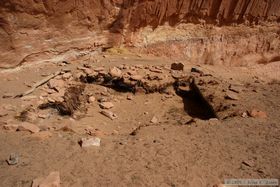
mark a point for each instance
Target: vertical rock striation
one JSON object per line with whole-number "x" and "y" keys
{"x": 140, "y": 13}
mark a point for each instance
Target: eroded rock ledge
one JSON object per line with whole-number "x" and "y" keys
{"x": 51, "y": 30}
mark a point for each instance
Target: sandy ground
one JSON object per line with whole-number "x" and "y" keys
{"x": 169, "y": 153}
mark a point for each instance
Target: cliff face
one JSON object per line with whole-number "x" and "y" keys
{"x": 229, "y": 45}
{"x": 34, "y": 30}
{"x": 140, "y": 13}
{"x": 44, "y": 29}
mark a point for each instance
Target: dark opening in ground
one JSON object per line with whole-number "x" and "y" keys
{"x": 195, "y": 104}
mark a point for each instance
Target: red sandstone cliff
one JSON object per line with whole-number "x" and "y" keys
{"x": 44, "y": 29}
{"x": 139, "y": 13}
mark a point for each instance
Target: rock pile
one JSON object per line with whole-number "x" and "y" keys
{"x": 205, "y": 95}
{"x": 136, "y": 79}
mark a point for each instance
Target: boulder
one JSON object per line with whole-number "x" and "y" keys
{"x": 109, "y": 114}
{"x": 10, "y": 127}
{"x": 25, "y": 126}
{"x": 154, "y": 120}
{"x": 106, "y": 105}
{"x": 258, "y": 114}
{"x": 115, "y": 72}
{"x": 89, "y": 142}
{"x": 56, "y": 84}
{"x": 231, "y": 96}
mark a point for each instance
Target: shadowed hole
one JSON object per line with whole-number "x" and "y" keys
{"x": 195, "y": 104}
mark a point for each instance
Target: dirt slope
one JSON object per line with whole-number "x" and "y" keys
{"x": 176, "y": 150}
